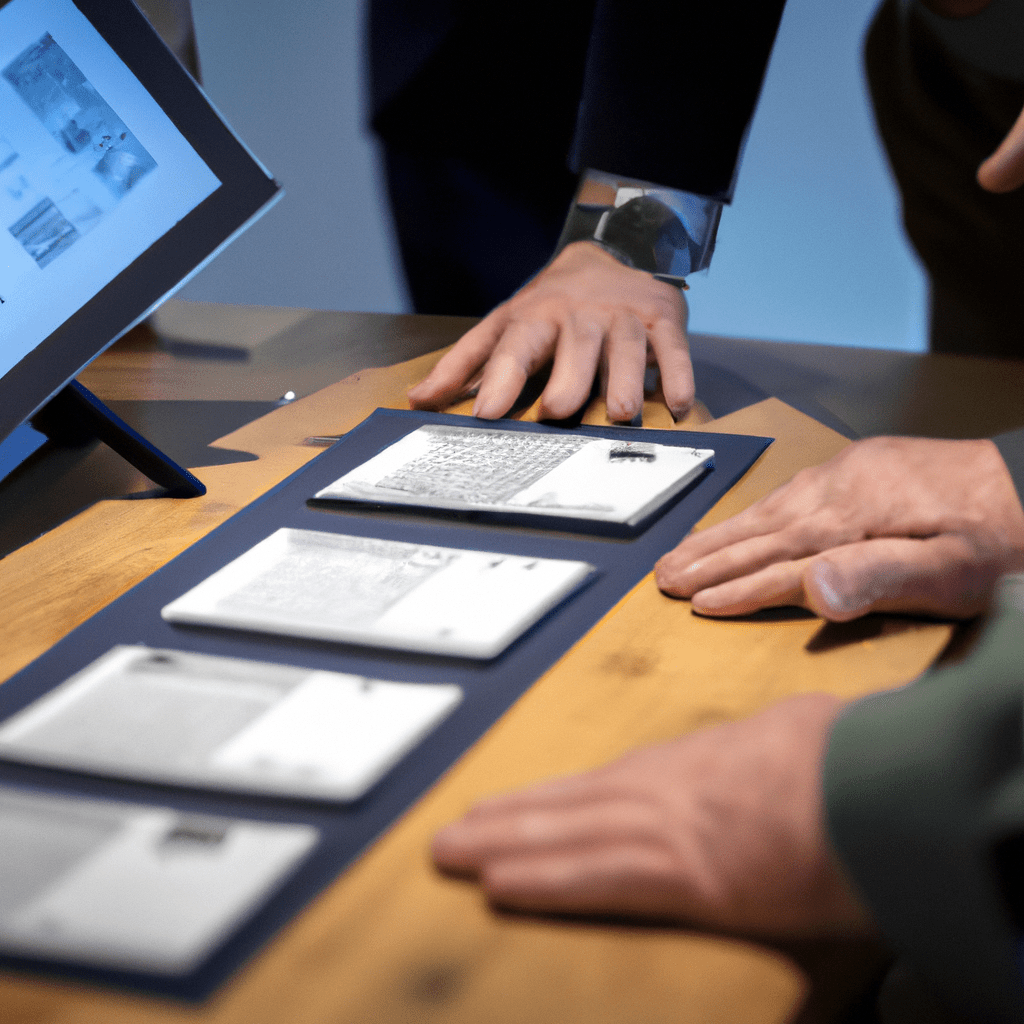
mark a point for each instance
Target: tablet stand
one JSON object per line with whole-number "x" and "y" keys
{"x": 74, "y": 416}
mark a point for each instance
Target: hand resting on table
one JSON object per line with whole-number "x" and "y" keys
{"x": 893, "y": 524}
{"x": 723, "y": 828}
{"x": 591, "y": 315}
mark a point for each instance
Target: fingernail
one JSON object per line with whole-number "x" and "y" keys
{"x": 486, "y": 410}
{"x": 444, "y": 834}
{"x": 447, "y": 837}
{"x": 681, "y": 574}
{"x": 677, "y": 578}
{"x": 633, "y": 419}
{"x": 707, "y": 601}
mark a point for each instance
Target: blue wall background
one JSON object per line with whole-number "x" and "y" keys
{"x": 811, "y": 249}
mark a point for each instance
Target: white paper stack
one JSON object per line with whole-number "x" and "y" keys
{"x": 132, "y": 887}
{"x": 382, "y": 593}
{"x": 224, "y": 723}
{"x": 569, "y": 475}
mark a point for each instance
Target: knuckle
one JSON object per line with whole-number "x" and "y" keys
{"x": 663, "y": 306}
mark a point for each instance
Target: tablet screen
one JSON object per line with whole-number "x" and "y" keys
{"x": 85, "y": 186}
{"x": 117, "y": 181}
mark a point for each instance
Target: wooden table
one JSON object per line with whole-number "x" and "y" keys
{"x": 391, "y": 941}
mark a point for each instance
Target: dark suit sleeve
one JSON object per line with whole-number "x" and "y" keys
{"x": 660, "y": 90}
{"x": 670, "y": 89}
{"x": 924, "y": 792}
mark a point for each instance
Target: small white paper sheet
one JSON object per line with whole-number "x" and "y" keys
{"x": 570, "y": 475}
{"x": 382, "y": 593}
{"x": 132, "y": 887}
{"x": 225, "y": 723}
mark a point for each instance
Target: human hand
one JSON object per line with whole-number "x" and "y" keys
{"x": 1003, "y": 171}
{"x": 589, "y": 312}
{"x": 723, "y": 828}
{"x": 890, "y": 524}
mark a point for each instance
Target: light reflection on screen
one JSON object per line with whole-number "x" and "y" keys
{"x": 92, "y": 172}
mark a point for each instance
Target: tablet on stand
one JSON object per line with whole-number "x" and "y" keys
{"x": 118, "y": 182}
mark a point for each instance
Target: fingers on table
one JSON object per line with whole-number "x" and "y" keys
{"x": 776, "y": 586}
{"x": 944, "y": 575}
{"x": 503, "y": 351}
{"x": 623, "y": 878}
{"x": 498, "y": 829}
{"x": 577, "y": 356}
{"x": 625, "y": 363}
{"x": 770, "y": 516}
{"x": 525, "y": 346}
{"x": 617, "y": 345}
{"x": 763, "y": 535}
{"x": 449, "y": 379}
{"x": 571, "y": 856}
{"x": 672, "y": 351}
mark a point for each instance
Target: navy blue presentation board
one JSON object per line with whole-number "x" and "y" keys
{"x": 490, "y": 687}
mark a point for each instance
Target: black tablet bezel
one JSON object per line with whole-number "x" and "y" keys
{"x": 246, "y": 189}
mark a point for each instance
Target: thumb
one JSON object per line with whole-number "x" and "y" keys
{"x": 1003, "y": 171}
{"x": 942, "y": 575}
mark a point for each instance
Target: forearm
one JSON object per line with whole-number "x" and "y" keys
{"x": 919, "y": 790}
{"x": 668, "y": 96}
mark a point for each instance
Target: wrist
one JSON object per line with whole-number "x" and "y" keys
{"x": 664, "y": 232}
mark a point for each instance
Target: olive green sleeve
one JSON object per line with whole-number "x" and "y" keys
{"x": 1011, "y": 447}
{"x": 922, "y": 787}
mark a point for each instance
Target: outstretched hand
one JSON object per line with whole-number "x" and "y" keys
{"x": 723, "y": 828}
{"x": 592, "y": 315}
{"x": 890, "y": 524}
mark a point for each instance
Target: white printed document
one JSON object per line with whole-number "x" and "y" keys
{"x": 382, "y": 593}
{"x": 181, "y": 718}
{"x": 132, "y": 886}
{"x": 552, "y": 474}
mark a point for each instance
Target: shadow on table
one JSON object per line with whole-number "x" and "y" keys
{"x": 57, "y": 482}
